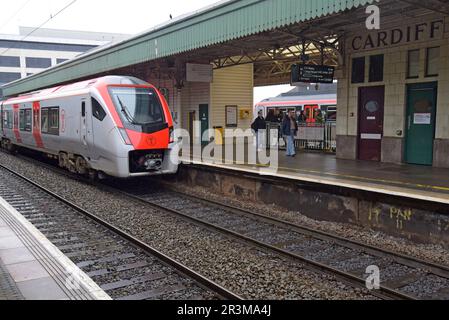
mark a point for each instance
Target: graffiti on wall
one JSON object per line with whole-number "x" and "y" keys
{"x": 399, "y": 216}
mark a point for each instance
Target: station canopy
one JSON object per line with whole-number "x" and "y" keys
{"x": 271, "y": 34}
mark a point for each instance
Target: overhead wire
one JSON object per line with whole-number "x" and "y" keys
{"x": 15, "y": 14}
{"x": 43, "y": 24}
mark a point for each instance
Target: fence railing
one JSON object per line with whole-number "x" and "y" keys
{"x": 316, "y": 137}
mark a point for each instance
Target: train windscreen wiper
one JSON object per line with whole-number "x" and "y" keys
{"x": 125, "y": 111}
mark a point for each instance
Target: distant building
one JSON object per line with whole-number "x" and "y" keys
{"x": 44, "y": 48}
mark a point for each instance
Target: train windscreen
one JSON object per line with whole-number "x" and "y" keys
{"x": 138, "y": 106}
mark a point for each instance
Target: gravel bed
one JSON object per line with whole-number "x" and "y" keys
{"x": 428, "y": 286}
{"x": 96, "y": 238}
{"x": 428, "y": 252}
{"x": 246, "y": 271}
{"x": 395, "y": 271}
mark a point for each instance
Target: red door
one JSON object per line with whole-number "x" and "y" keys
{"x": 371, "y": 123}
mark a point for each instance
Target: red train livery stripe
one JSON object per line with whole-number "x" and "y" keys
{"x": 103, "y": 89}
{"x": 36, "y": 127}
{"x": 296, "y": 102}
{"x": 16, "y": 123}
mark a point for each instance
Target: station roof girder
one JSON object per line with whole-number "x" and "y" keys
{"x": 224, "y": 22}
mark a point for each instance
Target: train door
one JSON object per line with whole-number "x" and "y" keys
{"x": 16, "y": 123}
{"x": 310, "y": 112}
{"x": 421, "y": 118}
{"x": 371, "y": 119}
{"x": 86, "y": 127}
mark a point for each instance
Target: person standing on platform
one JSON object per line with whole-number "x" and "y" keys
{"x": 259, "y": 126}
{"x": 289, "y": 130}
{"x": 271, "y": 117}
{"x": 302, "y": 117}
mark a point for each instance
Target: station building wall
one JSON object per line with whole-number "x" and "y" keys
{"x": 232, "y": 86}
{"x": 193, "y": 95}
{"x": 395, "y": 80}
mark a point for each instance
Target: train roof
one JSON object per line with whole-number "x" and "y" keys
{"x": 77, "y": 87}
{"x": 308, "y": 89}
{"x": 305, "y": 94}
{"x": 299, "y": 100}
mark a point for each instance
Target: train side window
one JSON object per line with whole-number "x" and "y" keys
{"x": 97, "y": 110}
{"x": 44, "y": 120}
{"x": 50, "y": 120}
{"x": 28, "y": 120}
{"x": 7, "y": 118}
{"x": 22, "y": 120}
{"x": 53, "y": 121}
{"x": 10, "y": 119}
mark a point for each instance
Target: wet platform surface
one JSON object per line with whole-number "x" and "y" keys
{"x": 410, "y": 176}
{"x": 418, "y": 182}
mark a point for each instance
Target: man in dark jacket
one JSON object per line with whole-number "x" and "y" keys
{"x": 289, "y": 131}
{"x": 259, "y": 126}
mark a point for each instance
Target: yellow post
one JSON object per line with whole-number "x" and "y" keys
{"x": 219, "y": 132}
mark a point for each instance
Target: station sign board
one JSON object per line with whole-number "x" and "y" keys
{"x": 402, "y": 34}
{"x": 312, "y": 74}
{"x": 199, "y": 72}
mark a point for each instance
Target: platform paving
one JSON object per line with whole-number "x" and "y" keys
{"x": 8, "y": 287}
{"x": 31, "y": 268}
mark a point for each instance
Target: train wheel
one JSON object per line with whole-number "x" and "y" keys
{"x": 72, "y": 166}
{"x": 62, "y": 160}
{"x": 81, "y": 165}
{"x": 93, "y": 175}
{"x": 11, "y": 148}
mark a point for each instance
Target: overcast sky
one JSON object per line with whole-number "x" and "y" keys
{"x": 129, "y": 16}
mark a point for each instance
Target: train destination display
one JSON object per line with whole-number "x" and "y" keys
{"x": 312, "y": 74}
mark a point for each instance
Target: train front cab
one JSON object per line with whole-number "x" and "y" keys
{"x": 146, "y": 129}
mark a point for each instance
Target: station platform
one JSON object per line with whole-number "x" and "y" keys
{"x": 31, "y": 268}
{"x": 409, "y": 181}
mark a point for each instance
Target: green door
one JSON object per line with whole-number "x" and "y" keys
{"x": 421, "y": 116}
{"x": 204, "y": 118}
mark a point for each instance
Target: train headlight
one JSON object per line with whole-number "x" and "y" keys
{"x": 125, "y": 136}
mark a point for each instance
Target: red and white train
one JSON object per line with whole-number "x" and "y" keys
{"x": 304, "y": 99}
{"x": 114, "y": 125}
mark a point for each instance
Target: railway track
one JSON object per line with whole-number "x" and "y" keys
{"x": 124, "y": 267}
{"x": 402, "y": 277}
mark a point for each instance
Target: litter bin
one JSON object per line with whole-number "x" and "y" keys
{"x": 219, "y": 132}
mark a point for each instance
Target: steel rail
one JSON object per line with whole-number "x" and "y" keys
{"x": 383, "y": 292}
{"x": 437, "y": 269}
{"x": 182, "y": 269}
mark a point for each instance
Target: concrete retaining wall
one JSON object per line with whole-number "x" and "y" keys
{"x": 414, "y": 220}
